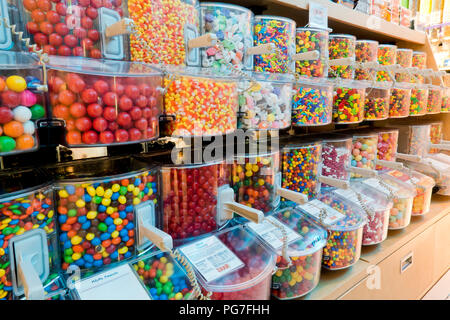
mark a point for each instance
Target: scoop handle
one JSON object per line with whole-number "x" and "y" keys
{"x": 390, "y": 164}
{"x": 118, "y": 28}
{"x": 254, "y": 215}
{"x": 294, "y": 196}
{"x": 408, "y": 157}
{"x": 334, "y": 182}
{"x": 206, "y": 40}
{"x": 363, "y": 172}
{"x": 310, "y": 55}
{"x": 266, "y": 48}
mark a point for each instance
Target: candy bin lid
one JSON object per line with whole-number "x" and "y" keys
{"x": 238, "y": 242}
{"x": 333, "y": 219}
{"x": 15, "y": 183}
{"x": 271, "y": 76}
{"x": 18, "y": 60}
{"x": 399, "y": 188}
{"x": 348, "y": 83}
{"x": 342, "y": 35}
{"x": 269, "y": 17}
{"x": 199, "y": 72}
{"x": 304, "y": 235}
{"x": 321, "y": 82}
{"x": 430, "y": 166}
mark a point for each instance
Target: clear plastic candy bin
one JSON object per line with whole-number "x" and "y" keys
{"x": 434, "y": 99}
{"x": 202, "y": 103}
{"x": 96, "y": 202}
{"x": 445, "y": 108}
{"x": 348, "y": 102}
{"x": 387, "y": 145}
{"x": 376, "y": 105}
{"x": 413, "y": 139}
{"x": 419, "y": 60}
{"x": 232, "y": 26}
{"x": 419, "y": 100}
{"x": 190, "y": 196}
{"x": 312, "y": 102}
{"x": 105, "y": 102}
{"x": 386, "y": 57}
{"x": 364, "y": 151}
{"x": 341, "y": 46}
{"x": 344, "y": 222}
{"x": 21, "y": 102}
{"x": 336, "y": 157}
{"x": 26, "y": 203}
{"x": 377, "y": 207}
{"x": 306, "y": 240}
{"x": 250, "y": 265}
{"x": 400, "y": 100}
{"x": 404, "y": 59}
{"x": 266, "y": 103}
{"x": 435, "y": 135}
{"x": 309, "y": 39}
{"x": 365, "y": 51}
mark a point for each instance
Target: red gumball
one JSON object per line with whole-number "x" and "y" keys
{"x": 125, "y": 103}
{"x": 90, "y": 137}
{"x": 64, "y": 51}
{"x": 135, "y": 134}
{"x": 94, "y": 110}
{"x": 147, "y": 112}
{"x": 30, "y": 5}
{"x": 95, "y": 53}
{"x": 136, "y": 113}
{"x": 119, "y": 11}
{"x": 101, "y": 86}
{"x": 113, "y": 126}
{"x": 107, "y": 4}
{"x": 150, "y": 133}
{"x": 50, "y": 50}
{"x": 100, "y": 124}
{"x": 96, "y": 3}
{"x": 77, "y": 110}
{"x": 10, "y": 98}
{"x": 73, "y": 137}
{"x": 94, "y": 35}
{"x": 80, "y": 33}
{"x": 44, "y": 5}
{"x": 61, "y": 111}
{"x": 6, "y": 115}
{"x": 145, "y": 89}
{"x": 106, "y": 137}
{"x": 32, "y": 27}
{"x": 109, "y": 113}
{"x": 89, "y": 95}
{"x": 40, "y": 39}
{"x": 155, "y": 112}
{"x": 83, "y": 124}
{"x": 87, "y": 23}
{"x": 37, "y": 16}
{"x": 70, "y": 125}
{"x": 62, "y": 29}
{"x": 75, "y": 83}
{"x": 118, "y": 88}
{"x": 110, "y": 99}
{"x": 61, "y": 8}
{"x": 70, "y": 40}
{"x": 152, "y": 101}
{"x": 92, "y": 13}
{"x": 121, "y": 135}
{"x": 124, "y": 120}
{"x": 141, "y": 124}
{"x": 55, "y": 39}
{"x": 53, "y": 17}
{"x": 87, "y": 44}
{"x": 132, "y": 91}
{"x": 78, "y": 52}
{"x": 141, "y": 101}
{"x": 84, "y": 3}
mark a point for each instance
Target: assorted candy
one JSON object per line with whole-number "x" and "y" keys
{"x": 96, "y": 218}
{"x": 265, "y": 104}
{"x": 399, "y": 101}
{"x": 404, "y": 59}
{"x": 445, "y": 100}
{"x": 387, "y": 146}
{"x": 376, "y": 229}
{"x": 279, "y": 31}
{"x": 203, "y": 106}
{"x": 419, "y": 60}
{"x": 232, "y": 26}
{"x": 163, "y": 278}
{"x": 365, "y": 51}
{"x": 434, "y": 99}
{"x": 348, "y": 103}
{"x": 300, "y": 167}
{"x": 386, "y": 57}
{"x": 341, "y": 46}
{"x": 364, "y": 152}
{"x": 414, "y": 139}
{"x": 419, "y": 100}
{"x": 311, "y": 103}
{"x": 309, "y": 39}
{"x": 335, "y": 158}
{"x": 253, "y": 180}
{"x": 435, "y": 135}
{"x": 376, "y": 106}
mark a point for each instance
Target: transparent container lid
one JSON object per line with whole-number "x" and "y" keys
{"x": 438, "y": 170}
{"x": 18, "y": 60}
{"x": 403, "y": 85}
{"x": 342, "y": 35}
{"x": 400, "y": 189}
{"x": 309, "y": 81}
{"x": 388, "y": 45}
{"x": 378, "y": 84}
{"x": 15, "y": 183}
{"x": 336, "y": 138}
{"x": 314, "y": 29}
{"x": 364, "y": 40}
{"x": 271, "y": 77}
{"x": 412, "y": 177}
{"x": 268, "y": 17}
{"x": 199, "y": 72}
{"x": 352, "y": 84}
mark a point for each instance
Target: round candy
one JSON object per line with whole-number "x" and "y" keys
{"x": 341, "y": 46}
{"x": 22, "y": 114}
{"x": 399, "y": 102}
{"x": 309, "y": 39}
{"x": 37, "y": 112}
{"x": 7, "y": 144}
{"x": 348, "y": 105}
{"x": 365, "y": 51}
{"x": 419, "y": 101}
{"x": 16, "y": 83}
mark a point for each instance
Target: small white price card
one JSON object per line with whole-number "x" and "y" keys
{"x": 314, "y": 208}
{"x": 120, "y": 283}
{"x": 212, "y": 258}
{"x": 376, "y": 184}
{"x": 318, "y": 15}
{"x": 351, "y": 195}
{"x": 272, "y": 235}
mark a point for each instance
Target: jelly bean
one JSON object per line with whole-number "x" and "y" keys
{"x": 341, "y": 46}
{"x": 445, "y": 100}
{"x": 386, "y": 57}
{"x": 348, "y": 105}
{"x": 404, "y": 59}
{"x": 419, "y": 101}
{"x": 387, "y": 146}
{"x": 376, "y": 106}
{"x": 365, "y": 51}
{"x": 399, "y": 102}
{"x": 419, "y": 59}
{"x": 434, "y": 100}
{"x": 309, "y": 39}
{"x": 364, "y": 152}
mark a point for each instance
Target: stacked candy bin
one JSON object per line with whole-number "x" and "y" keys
{"x": 445, "y": 108}
{"x": 281, "y": 32}
{"x": 203, "y": 104}
{"x": 377, "y": 207}
{"x": 265, "y": 104}
{"x": 250, "y": 265}
{"x": 435, "y": 135}
{"x": 377, "y": 102}
{"x": 348, "y": 102}
{"x": 305, "y": 243}
{"x": 364, "y": 151}
{"x": 413, "y": 139}
{"x": 344, "y": 222}
{"x": 233, "y": 27}
{"x": 190, "y": 195}
{"x": 419, "y": 100}
{"x": 253, "y": 180}
{"x": 419, "y": 60}
{"x": 20, "y": 102}
{"x": 105, "y": 102}
{"x": 386, "y": 57}
{"x": 400, "y": 100}
{"x": 96, "y": 202}
{"x": 300, "y": 166}
{"x": 26, "y": 203}
{"x": 404, "y": 59}
{"x": 365, "y": 51}
{"x": 312, "y": 102}
{"x": 341, "y": 46}
{"x": 386, "y": 146}
{"x": 336, "y": 157}
{"x": 434, "y": 99}
{"x": 309, "y": 39}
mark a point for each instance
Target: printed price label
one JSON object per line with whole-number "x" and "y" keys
{"x": 351, "y": 195}
{"x": 318, "y": 15}
{"x": 212, "y": 258}
{"x": 120, "y": 283}
{"x": 272, "y": 235}
{"x": 314, "y": 209}
{"x": 376, "y": 184}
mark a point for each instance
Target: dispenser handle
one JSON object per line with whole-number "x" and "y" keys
{"x": 254, "y": 215}
{"x": 266, "y": 48}
{"x": 206, "y": 40}
{"x": 408, "y": 157}
{"x": 310, "y": 55}
{"x": 31, "y": 282}
{"x": 367, "y": 173}
{"x": 334, "y": 182}
{"x": 390, "y": 164}
{"x": 118, "y": 28}
{"x": 159, "y": 238}
{"x": 297, "y": 197}
{"x": 340, "y": 62}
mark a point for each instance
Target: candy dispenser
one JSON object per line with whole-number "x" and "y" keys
{"x": 306, "y": 240}
{"x": 377, "y": 207}
{"x": 341, "y": 46}
{"x": 402, "y": 195}
{"x": 26, "y": 215}
{"x": 365, "y": 51}
{"x": 419, "y": 100}
{"x": 348, "y": 102}
{"x": 336, "y": 157}
{"x": 413, "y": 139}
{"x": 386, "y": 57}
{"x": 249, "y": 263}
{"x": 445, "y": 108}
{"x": 400, "y": 100}
{"x": 232, "y": 26}
{"x": 419, "y": 60}
{"x": 376, "y": 105}
{"x": 386, "y": 146}
{"x": 309, "y": 39}
{"x": 312, "y": 102}
{"x": 404, "y": 59}
{"x": 21, "y": 102}
{"x": 203, "y": 104}
{"x": 344, "y": 222}
{"x": 105, "y": 102}
{"x": 364, "y": 151}
{"x": 434, "y": 99}
{"x": 266, "y": 103}
{"x": 281, "y": 32}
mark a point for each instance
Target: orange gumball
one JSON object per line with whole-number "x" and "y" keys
{"x": 73, "y": 137}
{"x": 1, "y": 130}
{"x": 14, "y": 129}
{"x": 2, "y": 84}
{"x": 24, "y": 142}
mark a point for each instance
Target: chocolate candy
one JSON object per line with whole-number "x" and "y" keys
{"x": 435, "y": 135}
{"x": 387, "y": 146}
{"x": 404, "y": 59}
{"x": 97, "y": 224}
{"x": 312, "y": 103}
{"x": 162, "y": 25}
{"x": 163, "y": 277}
{"x": 281, "y": 32}
{"x": 364, "y": 152}
{"x": 400, "y": 101}
{"x": 265, "y": 104}
{"x": 202, "y": 106}
{"x": 419, "y": 100}
{"x": 232, "y": 26}
{"x": 300, "y": 168}
{"x": 309, "y": 39}
{"x": 190, "y": 197}
{"x": 434, "y": 99}
{"x": 341, "y": 46}
{"x": 386, "y": 57}
{"x": 253, "y": 180}
{"x": 376, "y": 106}
{"x": 335, "y": 158}
{"x": 348, "y": 103}
{"x": 365, "y": 51}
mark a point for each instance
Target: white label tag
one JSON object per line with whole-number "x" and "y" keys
{"x": 351, "y": 195}
{"x": 272, "y": 235}
{"x": 212, "y": 258}
{"x": 318, "y": 15}
{"x": 376, "y": 184}
{"x": 313, "y": 208}
{"x": 120, "y": 283}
